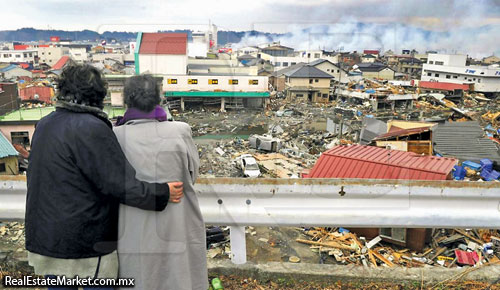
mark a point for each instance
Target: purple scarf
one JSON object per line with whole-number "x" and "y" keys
{"x": 134, "y": 114}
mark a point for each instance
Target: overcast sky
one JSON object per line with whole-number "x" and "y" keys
{"x": 266, "y": 15}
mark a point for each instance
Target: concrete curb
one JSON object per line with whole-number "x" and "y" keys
{"x": 348, "y": 273}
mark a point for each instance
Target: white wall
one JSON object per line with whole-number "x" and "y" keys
{"x": 485, "y": 79}
{"x": 78, "y": 54}
{"x": 447, "y": 59}
{"x": 50, "y": 55}
{"x": 18, "y": 56}
{"x": 199, "y": 49}
{"x": 168, "y": 64}
{"x": 223, "y": 83}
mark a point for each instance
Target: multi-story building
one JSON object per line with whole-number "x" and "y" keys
{"x": 50, "y": 54}
{"x": 452, "y": 68}
{"x": 308, "y": 83}
{"x": 19, "y": 56}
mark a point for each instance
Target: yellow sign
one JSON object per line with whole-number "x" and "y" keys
{"x": 253, "y": 82}
{"x": 233, "y": 82}
{"x": 192, "y": 81}
{"x": 172, "y": 81}
{"x": 213, "y": 81}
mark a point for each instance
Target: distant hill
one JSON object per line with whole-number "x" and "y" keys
{"x": 31, "y": 34}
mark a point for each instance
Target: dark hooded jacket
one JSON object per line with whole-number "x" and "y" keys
{"x": 77, "y": 176}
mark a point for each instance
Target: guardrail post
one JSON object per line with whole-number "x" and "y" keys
{"x": 238, "y": 245}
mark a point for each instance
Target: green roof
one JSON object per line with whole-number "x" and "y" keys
{"x": 6, "y": 149}
{"x": 212, "y": 94}
{"x": 37, "y": 113}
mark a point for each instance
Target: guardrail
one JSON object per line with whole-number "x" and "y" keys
{"x": 238, "y": 202}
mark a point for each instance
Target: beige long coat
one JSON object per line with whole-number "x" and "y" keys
{"x": 162, "y": 250}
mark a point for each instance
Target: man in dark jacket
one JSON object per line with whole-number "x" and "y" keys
{"x": 77, "y": 176}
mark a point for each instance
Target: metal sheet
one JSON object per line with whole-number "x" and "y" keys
{"x": 332, "y": 202}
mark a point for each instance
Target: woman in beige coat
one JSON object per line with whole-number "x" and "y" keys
{"x": 161, "y": 250}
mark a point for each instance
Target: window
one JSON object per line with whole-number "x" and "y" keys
{"x": 338, "y": 71}
{"x": 5, "y": 55}
{"x": 2, "y": 167}
{"x": 431, "y": 62}
{"x": 277, "y": 63}
{"x": 316, "y": 55}
{"x": 455, "y": 76}
{"x": 439, "y": 62}
{"x": 325, "y": 96}
{"x": 18, "y": 55}
{"x": 316, "y": 80}
{"x": 43, "y": 53}
{"x": 310, "y": 81}
{"x": 436, "y": 75}
{"x": 50, "y": 53}
{"x": 293, "y": 63}
{"x": 22, "y": 138}
{"x": 192, "y": 81}
{"x": 327, "y": 69}
{"x": 478, "y": 80}
{"x": 285, "y": 63}
{"x": 31, "y": 54}
{"x": 253, "y": 82}
{"x": 25, "y": 55}
{"x": 299, "y": 95}
{"x": 233, "y": 82}
{"x": 448, "y": 76}
{"x": 172, "y": 81}
{"x": 398, "y": 235}
{"x": 474, "y": 79}
{"x": 319, "y": 95}
{"x": 213, "y": 81}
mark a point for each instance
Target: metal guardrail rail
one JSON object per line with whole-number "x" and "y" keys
{"x": 239, "y": 202}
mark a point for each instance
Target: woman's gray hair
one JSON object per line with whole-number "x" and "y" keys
{"x": 142, "y": 92}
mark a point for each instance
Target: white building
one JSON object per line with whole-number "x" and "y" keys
{"x": 162, "y": 53}
{"x": 203, "y": 42}
{"x": 51, "y": 54}
{"x": 24, "y": 56}
{"x": 281, "y": 62}
{"x": 452, "y": 68}
{"x": 79, "y": 54}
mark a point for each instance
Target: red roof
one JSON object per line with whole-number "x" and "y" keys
{"x": 163, "y": 43}
{"x": 44, "y": 94}
{"x": 21, "y": 46}
{"x": 369, "y": 162}
{"x": 370, "y": 51}
{"x": 442, "y": 86}
{"x": 61, "y": 62}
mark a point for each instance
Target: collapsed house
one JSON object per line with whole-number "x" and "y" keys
{"x": 369, "y": 162}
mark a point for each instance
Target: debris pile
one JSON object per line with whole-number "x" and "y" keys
{"x": 449, "y": 248}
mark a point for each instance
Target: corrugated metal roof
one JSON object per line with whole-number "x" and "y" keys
{"x": 8, "y": 68}
{"x": 163, "y": 43}
{"x": 371, "y": 129}
{"x": 398, "y": 132}
{"x": 44, "y": 93}
{"x": 369, "y": 162}
{"x": 307, "y": 72}
{"x": 442, "y": 86}
{"x": 6, "y": 149}
{"x": 465, "y": 141}
{"x": 61, "y": 62}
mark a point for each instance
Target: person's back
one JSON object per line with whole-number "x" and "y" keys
{"x": 62, "y": 187}
{"x": 162, "y": 250}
